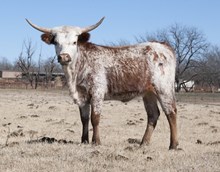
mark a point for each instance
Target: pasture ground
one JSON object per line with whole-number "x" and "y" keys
{"x": 41, "y": 130}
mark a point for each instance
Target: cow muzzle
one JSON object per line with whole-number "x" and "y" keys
{"x": 64, "y": 58}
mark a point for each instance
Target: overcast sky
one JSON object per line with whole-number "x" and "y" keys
{"x": 124, "y": 19}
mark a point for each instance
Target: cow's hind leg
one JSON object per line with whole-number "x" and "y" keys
{"x": 169, "y": 107}
{"x": 84, "y": 114}
{"x": 96, "y": 105}
{"x": 150, "y": 103}
{"x": 95, "y": 118}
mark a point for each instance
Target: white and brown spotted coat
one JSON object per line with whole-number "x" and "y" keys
{"x": 121, "y": 73}
{"x": 96, "y": 73}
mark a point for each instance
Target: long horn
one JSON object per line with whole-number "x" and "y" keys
{"x": 89, "y": 28}
{"x": 41, "y": 29}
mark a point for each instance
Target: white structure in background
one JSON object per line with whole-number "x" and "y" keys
{"x": 10, "y": 74}
{"x": 187, "y": 86}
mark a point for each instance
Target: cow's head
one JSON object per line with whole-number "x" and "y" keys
{"x": 65, "y": 39}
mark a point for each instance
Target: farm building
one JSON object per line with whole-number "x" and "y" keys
{"x": 14, "y": 79}
{"x": 187, "y": 86}
{"x": 10, "y": 74}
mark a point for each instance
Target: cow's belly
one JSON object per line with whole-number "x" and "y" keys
{"x": 124, "y": 97}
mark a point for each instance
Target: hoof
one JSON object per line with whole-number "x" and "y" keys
{"x": 96, "y": 143}
{"x": 173, "y": 146}
{"x": 144, "y": 143}
{"x": 85, "y": 142}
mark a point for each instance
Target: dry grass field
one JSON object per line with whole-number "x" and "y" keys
{"x": 41, "y": 130}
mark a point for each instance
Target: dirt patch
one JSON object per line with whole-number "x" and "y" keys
{"x": 50, "y": 140}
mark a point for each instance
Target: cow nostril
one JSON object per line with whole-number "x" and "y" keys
{"x": 67, "y": 56}
{"x": 64, "y": 58}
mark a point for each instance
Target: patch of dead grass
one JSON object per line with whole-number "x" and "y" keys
{"x": 42, "y": 114}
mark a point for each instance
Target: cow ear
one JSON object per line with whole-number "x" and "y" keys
{"x": 47, "y": 38}
{"x": 83, "y": 38}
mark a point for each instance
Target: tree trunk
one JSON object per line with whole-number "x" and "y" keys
{"x": 178, "y": 85}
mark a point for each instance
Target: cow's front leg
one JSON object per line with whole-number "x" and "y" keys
{"x": 95, "y": 118}
{"x": 84, "y": 114}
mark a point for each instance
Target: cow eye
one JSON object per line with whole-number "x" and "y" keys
{"x": 74, "y": 43}
{"x": 55, "y": 42}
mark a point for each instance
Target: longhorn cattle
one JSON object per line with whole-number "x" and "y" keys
{"x": 96, "y": 73}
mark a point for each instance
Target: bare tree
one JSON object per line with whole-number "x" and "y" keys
{"x": 25, "y": 62}
{"x": 5, "y": 64}
{"x": 209, "y": 69}
{"x": 188, "y": 43}
{"x": 49, "y": 67}
{"x": 121, "y": 42}
{"x": 38, "y": 70}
